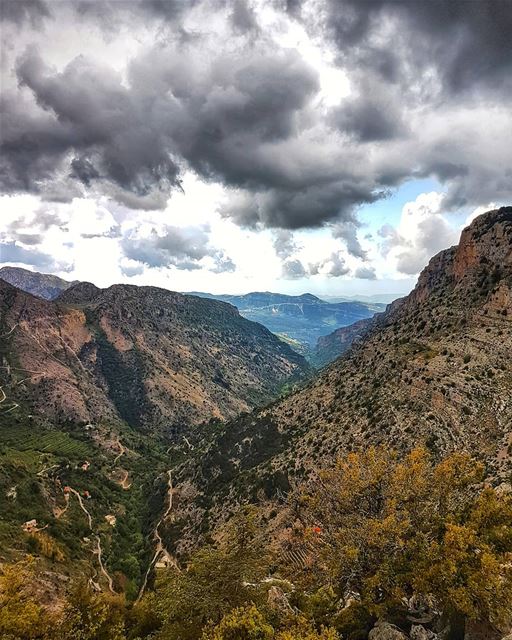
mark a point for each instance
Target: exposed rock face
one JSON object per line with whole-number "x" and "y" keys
{"x": 421, "y": 633}
{"x": 385, "y": 631}
{"x": 41, "y": 285}
{"x": 435, "y": 369}
{"x": 150, "y": 357}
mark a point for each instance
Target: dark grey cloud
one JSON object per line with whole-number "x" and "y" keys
{"x": 85, "y": 107}
{"x": 336, "y": 266}
{"x": 29, "y": 238}
{"x": 181, "y": 247}
{"x": 38, "y": 223}
{"x": 301, "y": 206}
{"x": 284, "y": 243}
{"x": 21, "y": 11}
{"x": 365, "y": 273}
{"x": 462, "y": 42}
{"x": 372, "y": 115}
{"x": 293, "y": 270}
{"x": 430, "y": 92}
{"x": 243, "y": 18}
{"x": 82, "y": 169}
{"x": 333, "y": 266}
{"x": 347, "y": 230}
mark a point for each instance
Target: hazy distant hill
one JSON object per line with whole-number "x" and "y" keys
{"x": 334, "y": 344}
{"x": 383, "y": 298}
{"x": 38, "y": 284}
{"x": 302, "y": 319}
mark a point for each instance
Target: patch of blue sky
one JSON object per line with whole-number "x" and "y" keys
{"x": 389, "y": 210}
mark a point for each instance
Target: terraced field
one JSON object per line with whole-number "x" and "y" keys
{"x": 58, "y": 443}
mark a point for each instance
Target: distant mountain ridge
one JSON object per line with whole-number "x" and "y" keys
{"x": 42, "y": 285}
{"x": 302, "y": 319}
{"x": 153, "y": 358}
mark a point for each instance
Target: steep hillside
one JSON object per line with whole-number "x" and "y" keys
{"x": 38, "y": 284}
{"x": 334, "y": 344}
{"x": 301, "y": 319}
{"x": 149, "y": 357}
{"x": 435, "y": 369}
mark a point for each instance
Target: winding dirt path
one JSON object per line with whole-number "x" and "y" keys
{"x": 122, "y": 450}
{"x": 98, "y": 551}
{"x": 15, "y": 405}
{"x": 160, "y": 549}
{"x": 124, "y": 482}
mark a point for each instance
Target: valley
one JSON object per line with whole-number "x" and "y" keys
{"x": 303, "y": 320}
{"x": 131, "y": 481}
{"x": 256, "y": 320}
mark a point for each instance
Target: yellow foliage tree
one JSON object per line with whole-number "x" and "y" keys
{"x": 379, "y": 529}
{"x": 21, "y": 617}
{"x": 248, "y": 623}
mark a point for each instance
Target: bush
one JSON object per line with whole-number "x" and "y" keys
{"x": 386, "y": 529}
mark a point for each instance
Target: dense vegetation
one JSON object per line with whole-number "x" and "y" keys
{"x": 376, "y": 537}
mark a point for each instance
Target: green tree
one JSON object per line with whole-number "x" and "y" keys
{"x": 243, "y": 623}
{"x": 89, "y": 616}
{"x": 216, "y": 580}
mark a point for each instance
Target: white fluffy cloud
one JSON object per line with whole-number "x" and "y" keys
{"x": 422, "y": 232}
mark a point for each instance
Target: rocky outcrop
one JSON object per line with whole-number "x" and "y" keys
{"x": 421, "y": 633}
{"x": 386, "y": 631}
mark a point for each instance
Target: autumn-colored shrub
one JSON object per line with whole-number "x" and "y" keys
{"x": 379, "y": 529}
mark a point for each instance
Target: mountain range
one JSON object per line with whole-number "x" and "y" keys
{"x": 119, "y": 405}
{"x": 148, "y": 356}
{"x": 42, "y": 285}
{"x": 300, "y": 320}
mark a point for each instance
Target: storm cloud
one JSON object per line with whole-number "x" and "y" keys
{"x": 209, "y": 87}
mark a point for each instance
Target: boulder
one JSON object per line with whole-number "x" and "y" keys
{"x": 418, "y": 632}
{"x": 386, "y": 631}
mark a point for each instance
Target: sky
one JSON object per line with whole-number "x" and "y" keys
{"x": 330, "y": 146}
